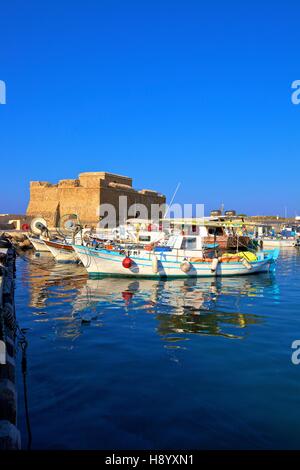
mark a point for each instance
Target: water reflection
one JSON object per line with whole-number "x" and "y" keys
{"x": 50, "y": 280}
{"x": 219, "y": 307}
{"x": 105, "y": 356}
{"x": 182, "y": 306}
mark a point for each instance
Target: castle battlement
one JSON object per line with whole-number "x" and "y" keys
{"x": 84, "y": 195}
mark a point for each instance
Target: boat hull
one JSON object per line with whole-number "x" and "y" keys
{"x": 109, "y": 263}
{"x": 38, "y": 245}
{"x": 279, "y": 243}
{"x": 62, "y": 253}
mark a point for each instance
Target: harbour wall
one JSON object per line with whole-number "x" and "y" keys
{"x": 9, "y": 434}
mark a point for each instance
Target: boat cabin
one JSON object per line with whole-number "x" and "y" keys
{"x": 185, "y": 242}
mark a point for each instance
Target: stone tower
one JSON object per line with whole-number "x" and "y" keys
{"x": 84, "y": 195}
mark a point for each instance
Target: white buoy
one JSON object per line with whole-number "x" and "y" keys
{"x": 154, "y": 264}
{"x": 214, "y": 264}
{"x": 185, "y": 266}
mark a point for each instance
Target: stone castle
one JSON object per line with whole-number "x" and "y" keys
{"x": 84, "y": 195}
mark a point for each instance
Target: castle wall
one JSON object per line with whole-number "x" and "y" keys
{"x": 111, "y": 194}
{"x": 43, "y": 202}
{"x": 83, "y": 197}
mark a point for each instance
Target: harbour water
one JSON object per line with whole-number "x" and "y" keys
{"x": 141, "y": 364}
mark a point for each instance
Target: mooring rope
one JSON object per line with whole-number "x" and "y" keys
{"x": 23, "y": 343}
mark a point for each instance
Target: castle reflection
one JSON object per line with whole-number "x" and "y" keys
{"x": 180, "y": 307}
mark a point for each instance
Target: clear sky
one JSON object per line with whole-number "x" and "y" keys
{"x": 165, "y": 91}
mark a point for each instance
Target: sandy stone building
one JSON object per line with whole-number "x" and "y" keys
{"x": 84, "y": 195}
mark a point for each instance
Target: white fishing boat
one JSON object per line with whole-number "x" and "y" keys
{"x": 279, "y": 242}
{"x": 286, "y": 237}
{"x": 38, "y": 243}
{"x": 69, "y": 231}
{"x": 184, "y": 256}
{"x": 62, "y": 252}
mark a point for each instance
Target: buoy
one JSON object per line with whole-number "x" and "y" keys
{"x": 154, "y": 264}
{"x": 214, "y": 264}
{"x": 185, "y": 266}
{"x": 108, "y": 247}
{"x": 148, "y": 247}
{"x": 127, "y": 262}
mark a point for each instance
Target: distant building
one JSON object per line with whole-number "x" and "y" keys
{"x": 84, "y": 195}
{"x": 13, "y": 221}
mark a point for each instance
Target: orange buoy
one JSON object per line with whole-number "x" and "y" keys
{"x": 127, "y": 262}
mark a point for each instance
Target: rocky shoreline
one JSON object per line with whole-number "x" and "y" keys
{"x": 18, "y": 239}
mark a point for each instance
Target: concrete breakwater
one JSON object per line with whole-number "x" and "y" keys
{"x": 9, "y": 433}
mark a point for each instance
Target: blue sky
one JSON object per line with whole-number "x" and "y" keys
{"x": 163, "y": 91}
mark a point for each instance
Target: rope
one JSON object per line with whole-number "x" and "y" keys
{"x": 23, "y": 343}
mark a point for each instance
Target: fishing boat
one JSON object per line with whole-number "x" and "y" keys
{"x": 69, "y": 232}
{"x": 62, "y": 252}
{"x": 279, "y": 242}
{"x": 38, "y": 243}
{"x": 183, "y": 256}
{"x": 229, "y": 233}
{"x": 280, "y": 237}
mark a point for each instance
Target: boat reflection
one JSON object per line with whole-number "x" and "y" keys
{"x": 179, "y": 306}
{"x": 43, "y": 275}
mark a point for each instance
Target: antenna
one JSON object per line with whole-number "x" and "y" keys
{"x": 222, "y": 208}
{"x": 172, "y": 199}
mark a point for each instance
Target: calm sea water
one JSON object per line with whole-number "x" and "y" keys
{"x": 139, "y": 364}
